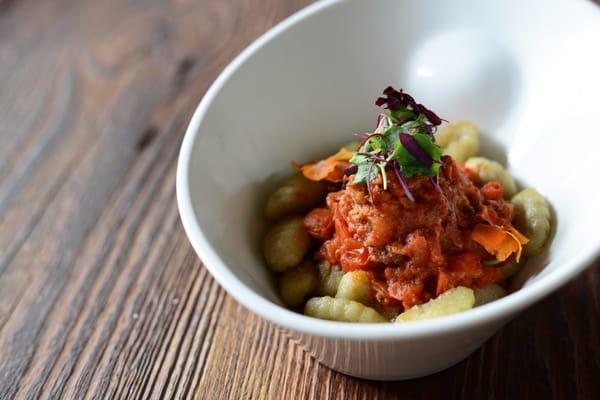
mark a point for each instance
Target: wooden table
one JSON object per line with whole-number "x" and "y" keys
{"x": 101, "y": 295}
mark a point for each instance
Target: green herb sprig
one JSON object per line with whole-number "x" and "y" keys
{"x": 403, "y": 142}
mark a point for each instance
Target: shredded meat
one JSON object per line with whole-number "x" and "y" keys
{"x": 415, "y": 250}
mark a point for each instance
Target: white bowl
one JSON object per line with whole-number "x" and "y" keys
{"x": 525, "y": 72}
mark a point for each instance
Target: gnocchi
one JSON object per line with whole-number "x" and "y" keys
{"x": 488, "y": 294}
{"x": 286, "y": 243}
{"x": 297, "y": 283}
{"x": 345, "y": 310}
{"x": 508, "y": 270}
{"x": 460, "y": 140}
{"x": 297, "y": 194}
{"x": 486, "y": 170}
{"x": 329, "y": 279}
{"x": 533, "y": 219}
{"x": 355, "y": 285}
{"x": 452, "y": 301}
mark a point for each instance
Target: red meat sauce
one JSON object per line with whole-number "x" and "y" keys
{"x": 413, "y": 250}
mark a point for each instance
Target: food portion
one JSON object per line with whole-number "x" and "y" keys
{"x": 407, "y": 223}
{"x": 450, "y": 302}
{"x": 341, "y": 310}
{"x": 533, "y": 216}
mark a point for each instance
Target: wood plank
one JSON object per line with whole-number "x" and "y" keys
{"x": 101, "y": 295}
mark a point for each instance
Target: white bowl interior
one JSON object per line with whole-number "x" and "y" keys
{"x": 525, "y": 72}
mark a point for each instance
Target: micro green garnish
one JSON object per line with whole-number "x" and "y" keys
{"x": 403, "y": 141}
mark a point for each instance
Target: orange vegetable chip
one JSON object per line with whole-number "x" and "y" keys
{"x": 499, "y": 242}
{"x": 331, "y": 169}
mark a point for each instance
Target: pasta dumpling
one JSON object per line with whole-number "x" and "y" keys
{"x": 297, "y": 283}
{"x": 488, "y": 294}
{"x": 345, "y": 310}
{"x": 296, "y": 194}
{"x": 329, "y": 279}
{"x": 286, "y": 243}
{"x": 533, "y": 219}
{"x": 460, "y": 140}
{"x": 355, "y": 285}
{"x": 508, "y": 270}
{"x": 452, "y": 301}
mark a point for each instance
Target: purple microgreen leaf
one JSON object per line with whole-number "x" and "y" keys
{"x": 407, "y": 99}
{"x": 413, "y": 147}
{"x": 389, "y": 90}
{"x": 430, "y": 115}
{"x": 396, "y": 100}
{"x": 393, "y": 98}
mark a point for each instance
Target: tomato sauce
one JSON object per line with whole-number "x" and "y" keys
{"x": 414, "y": 250}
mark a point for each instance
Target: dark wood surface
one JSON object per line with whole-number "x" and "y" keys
{"x": 101, "y": 296}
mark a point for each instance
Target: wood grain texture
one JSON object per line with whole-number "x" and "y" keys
{"x": 101, "y": 296}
